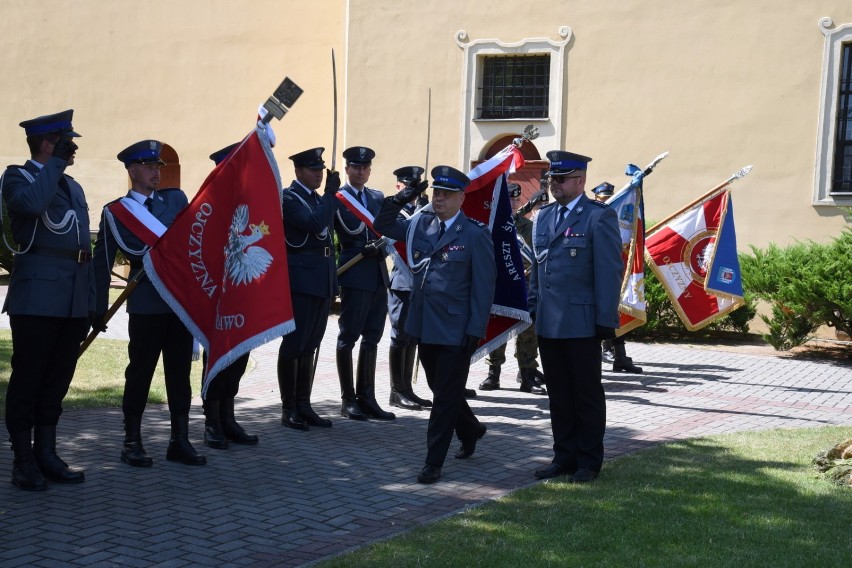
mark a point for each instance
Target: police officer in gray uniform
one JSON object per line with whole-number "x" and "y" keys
{"x": 363, "y": 292}
{"x": 575, "y": 286}
{"x": 402, "y": 355}
{"x": 50, "y": 299}
{"x": 452, "y": 258}
{"x": 308, "y": 225}
{"x": 153, "y": 327}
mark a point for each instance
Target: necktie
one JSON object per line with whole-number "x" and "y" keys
{"x": 441, "y": 230}
{"x": 563, "y": 212}
{"x": 363, "y": 196}
{"x": 149, "y": 203}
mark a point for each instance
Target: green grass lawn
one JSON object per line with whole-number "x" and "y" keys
{"x": 750, "y": 499}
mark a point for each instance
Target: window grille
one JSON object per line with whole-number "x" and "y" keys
{"x": 841, "y": 180}
{"x": 516, "y": 87}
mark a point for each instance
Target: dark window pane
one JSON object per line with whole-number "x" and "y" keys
{"x": 841, "y": 179}
{"x": 515, "y": 86}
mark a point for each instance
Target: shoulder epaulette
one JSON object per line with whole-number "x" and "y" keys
{"x": 477, "y": 223}
{"x": 116, "y": 200}
{"x": 599, "y": 203}
{"x": 168, "y": 189}
{"x": 543, "y": 207}
{"x": 14, "y": 167}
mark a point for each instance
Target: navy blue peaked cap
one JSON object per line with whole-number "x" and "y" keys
{"x": 605, "y": 189}
{"x": 407, "y": 174}
{"x": 448, "y": 178}
{"x": 562, "y": 163}
{"x": 359, "y": 155}
{"x": 220, "y": 155}
{"x": 144, "y": 152}
{"x": 50, "y": 123}
{"x": 311, "y": 159}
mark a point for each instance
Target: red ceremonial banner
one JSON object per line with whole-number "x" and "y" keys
{"x": 222, "y": 265}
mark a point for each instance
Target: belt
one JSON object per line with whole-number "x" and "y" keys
{"x": 81, "y": 256}
{"x": 321, "y": 251}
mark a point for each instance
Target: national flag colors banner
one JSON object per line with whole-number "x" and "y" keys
{"x": 222, "y": 265}
{"x": 487, "y": 200}
{"x": 694, "y": 255}
{"x": 628, "y": 203}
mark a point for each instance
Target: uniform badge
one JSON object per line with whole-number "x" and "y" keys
{"x": 416, "y": 255}
{"x": 573, "y": 252}
{"x": 445, "y": 256}
{"x": 152, "y": 145}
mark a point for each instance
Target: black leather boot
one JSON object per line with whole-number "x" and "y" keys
{"x": 408, "y": 376}
{"x": 180, "y": 450}
{"x": 287, "y": 371}
{"x": 398, "y": 395}
{"x": 349, "y": 407}
{"x": 50, "y": 464}
{"x": 133, "y": 452}
{"x": 213, "y": 435}
{"x": 492, "y": 381}
{"x": 304, "y": 387}
{"x": 366, "y": 385}
{"x": 230, "y": 427}
{"x": 622, "y": 362}
{"x": 529, "y": 382}
{"x": 25, "y": 473}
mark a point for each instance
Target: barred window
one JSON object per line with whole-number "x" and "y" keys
{"x": 515, "y": 86}
{"x": 841, "y": 179}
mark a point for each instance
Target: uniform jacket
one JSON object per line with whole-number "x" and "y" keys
{"x": 400, "y": 280}
{"x": 452, "y": 292}
{"x": 308, "y": 226}
{"x": 368, "y": 273}
{"x": 575, "y": 283}
{"x": 44, "y": 285}
{"x": 167, "y": 203}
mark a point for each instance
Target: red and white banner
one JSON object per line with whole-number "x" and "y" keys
{"x": 394, "y": 248}
{"x": 487, "y": 200}
{"x": 137, "y": 219}
{"x": 682, "y": 253}
{"x": 222, "y": 265}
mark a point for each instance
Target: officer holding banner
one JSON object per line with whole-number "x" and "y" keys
{"x": 220, "y": 423}
{"x": 452, "y": 259}
{"x": 50, "y": 299}
{"x": 363, "y": 289}
{"x": 575, "y": 285}
{"x": 153, "y": 327}
{"x": 308, "y": 226}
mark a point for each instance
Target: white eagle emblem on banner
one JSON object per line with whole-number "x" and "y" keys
{"x": 245, "y": 262}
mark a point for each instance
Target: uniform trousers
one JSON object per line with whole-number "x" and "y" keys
{"x": 577, "y": 403}
{"x": 310, "y": 314}
{"x": 362, "y": 314}
{"x": 44, "y": 357}
{"x": 150, "y": 335}
{"x": 446, "y": 368}
{"x": 398, "y": 303}
{"x": 226, "y": 383}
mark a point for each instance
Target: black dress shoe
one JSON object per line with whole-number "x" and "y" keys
{"x": 469, "y": 393}
{"x": 554, "y": 470}
{"x": 429, "y": 474}
{"x": 467, "y": 448}
{"x": 584, "y": 476}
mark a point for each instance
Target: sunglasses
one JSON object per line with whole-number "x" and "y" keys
{"x": 561, "y": 179}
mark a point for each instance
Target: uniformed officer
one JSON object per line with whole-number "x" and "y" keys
{"x": 363, "y": 292}
{"x": 575, "y": 286}
{"x": 526, "y": 346}
{"x": 452, "y": 258}
{"x": 614, "y": 350}
{"x": 50, "y": 298}
{"x": 220, "y": 423}
{"x": 402, "y": 356}
{"x": 153, "y": 327}
{"x": 308, "y": 226}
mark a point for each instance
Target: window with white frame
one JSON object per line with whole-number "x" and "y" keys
{"x": 833, "y": 182}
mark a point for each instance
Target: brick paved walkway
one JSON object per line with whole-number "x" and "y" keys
{"x": 302, "y": 496}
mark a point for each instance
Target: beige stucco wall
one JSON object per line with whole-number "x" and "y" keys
{"x": 190, "y": 73}
{"x": 720, "y": 85}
